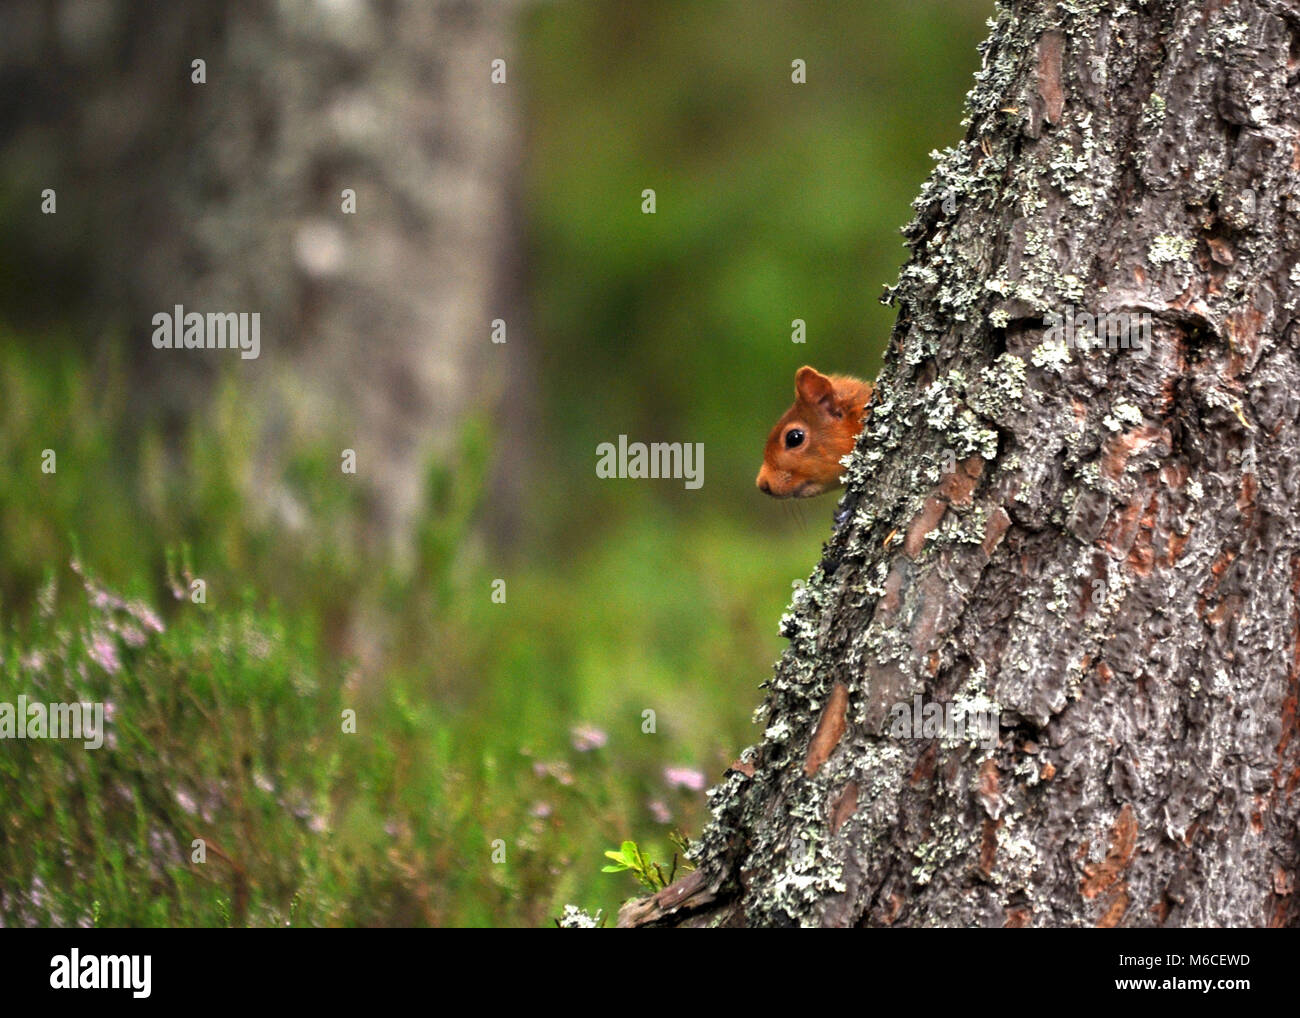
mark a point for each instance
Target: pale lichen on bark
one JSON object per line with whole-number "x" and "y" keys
{"x": 1102, "y": 545}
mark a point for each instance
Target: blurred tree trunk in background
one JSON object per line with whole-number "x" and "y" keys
{"x": 227, "y": 196}
{"x": 1102, "y": 546}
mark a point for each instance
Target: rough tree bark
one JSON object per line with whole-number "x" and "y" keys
{"x": 1113, "y": 563}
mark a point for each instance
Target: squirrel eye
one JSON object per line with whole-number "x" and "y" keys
{"x": 794, "y": 438}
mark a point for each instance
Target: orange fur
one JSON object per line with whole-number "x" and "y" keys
{"x": 830, "y": 411}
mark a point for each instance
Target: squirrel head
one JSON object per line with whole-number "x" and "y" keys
{"x": 803, "y": 452}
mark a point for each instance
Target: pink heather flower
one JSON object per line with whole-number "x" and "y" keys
{"x": 186, "y": 802}
{"x": 103, "y": 599}
{"x": 684, "y": 777}
{"x": 103, "y": 651}
{"x": 541, "y": 810}
{"x": 36, "y": 893}
{"x": 587, "y": 737}
{"x": 145, "y": 616}
{"x": 660, "y": 811}
{"x": 559, "y": 770}
{"x": 133, "y": 636}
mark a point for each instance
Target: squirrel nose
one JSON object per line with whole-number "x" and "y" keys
{"x": 763, "y": 486}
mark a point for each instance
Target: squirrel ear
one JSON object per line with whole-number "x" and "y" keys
{"x": 812, "y": 387}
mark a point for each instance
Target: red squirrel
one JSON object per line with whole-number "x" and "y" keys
{"x": 803, "y": 453}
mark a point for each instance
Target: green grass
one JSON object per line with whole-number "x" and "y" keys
{"x": 226, "y": 725}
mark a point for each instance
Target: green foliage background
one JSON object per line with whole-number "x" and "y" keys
{"x": 775, "y": 202}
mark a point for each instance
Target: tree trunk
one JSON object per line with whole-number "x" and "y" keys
{"x": 1096, "y": 541}
{"x": 230, "y": 194}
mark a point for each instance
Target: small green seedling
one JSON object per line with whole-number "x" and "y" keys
{"x": 648, "y": 872}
